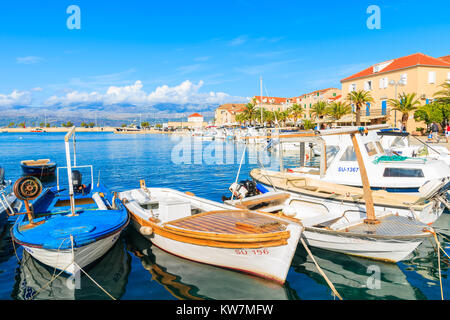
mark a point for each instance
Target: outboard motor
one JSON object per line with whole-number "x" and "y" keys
{"x": 77, "y": 182}
{"x": 243, "y": 189}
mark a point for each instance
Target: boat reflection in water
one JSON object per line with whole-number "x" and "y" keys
{"x": 357, "y": 278}
{"x": 111, "y": 272}
{"x": 188, "y": 280}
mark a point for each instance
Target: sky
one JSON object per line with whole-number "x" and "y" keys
{"x": 206, "y": 52}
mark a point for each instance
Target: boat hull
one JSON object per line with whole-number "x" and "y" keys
{"x": 39, "y": 170}
{"x": 428, "y": 216}
{"x": 389, "y": 250}
{"x": 270, "y": 262}
{"x": 83, "y": 256}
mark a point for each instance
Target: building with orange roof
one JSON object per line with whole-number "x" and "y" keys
{"x": 226, "y": 113}
{"x": 416, "y": 73}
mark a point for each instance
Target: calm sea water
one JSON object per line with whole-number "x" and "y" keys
{"x": 134, "y": 269}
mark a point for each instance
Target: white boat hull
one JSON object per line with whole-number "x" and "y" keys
{"x": 83, "y": 256}
{"x": 270, "y": 262}
{"x": 378, "y": 249}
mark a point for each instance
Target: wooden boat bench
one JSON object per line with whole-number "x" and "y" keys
{"x": 248, "y": 204}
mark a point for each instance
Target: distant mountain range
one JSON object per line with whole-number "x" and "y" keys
{"x": 107, "y": 114}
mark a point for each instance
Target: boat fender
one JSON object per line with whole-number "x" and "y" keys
{"x": 289, "y": 211}
{"x": 146, "y": 231}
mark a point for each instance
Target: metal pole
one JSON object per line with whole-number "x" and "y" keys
{"x": 69, "y": 170}
{"x": 260, "y": 102}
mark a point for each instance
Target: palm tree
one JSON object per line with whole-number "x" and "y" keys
{"x": 406, "y": 103}
{"x": 308, "y": 124}
{"x": 338, "y": 109}
{"x": 249, "y": 112}
{"x": 443, "y": 96}
{"x": 296, "y": 111}
{"x": 240, "y": 117}
{"x": 318, "y": 109}
{"x": 359, "y": 99}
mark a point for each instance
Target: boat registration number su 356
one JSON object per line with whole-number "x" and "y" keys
{"x": 252, "y": 252}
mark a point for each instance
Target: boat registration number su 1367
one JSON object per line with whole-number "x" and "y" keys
{"x": 348, "y": 169}
{"x": 252, "y": 252}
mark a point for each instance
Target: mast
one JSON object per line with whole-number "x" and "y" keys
{"x": 367, "y": 191}
{"x": 69, "y": 169}
{"x": 260, "y": 99}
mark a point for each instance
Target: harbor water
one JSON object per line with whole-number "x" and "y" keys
{"x": 134, "y": 269}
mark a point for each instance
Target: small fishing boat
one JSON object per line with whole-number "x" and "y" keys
{"x": 213, "y": 233}
{"x": 38, "y": 168}
{"x": 343, "y": 220}
{"x": 68, "y": 228}
{"x": 344, "y": 230}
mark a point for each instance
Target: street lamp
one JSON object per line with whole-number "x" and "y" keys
{"x": 396, "y": 84}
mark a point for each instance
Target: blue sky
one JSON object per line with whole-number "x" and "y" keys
{"x": 202, "y": 51}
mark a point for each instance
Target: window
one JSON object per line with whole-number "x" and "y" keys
{"x": 432, "y": 77}
{"x": 403, "y": 173}
{"x": 383, "y": 83}
{"x": 371, "y": 150}
{"x": 404, "y": 78}
{"x": 368, "y": 85}
{"x": 349, "y": 155}
{"x": 352, "y": 87}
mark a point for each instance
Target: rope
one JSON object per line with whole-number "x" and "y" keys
{"x": 95, "y": 282}
{"x": 330, "y": 284}
{"x": 439, "y": 260}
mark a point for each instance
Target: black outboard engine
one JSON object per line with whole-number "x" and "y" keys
{"x": 243, "y": 189}
{"x": 77, "y": 182}
{"x": 250, "y": 186}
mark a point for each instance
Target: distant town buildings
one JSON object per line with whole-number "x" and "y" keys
{"x": 417, "y": 73}
{"x": 195, "y": 120}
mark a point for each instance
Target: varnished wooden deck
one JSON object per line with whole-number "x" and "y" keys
{"x": 229, "y": 222}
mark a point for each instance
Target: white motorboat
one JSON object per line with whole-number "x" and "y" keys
{"x": 214, "y": 233}
{"x": 392, "y": 173}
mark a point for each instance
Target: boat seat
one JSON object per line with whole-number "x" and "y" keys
{"x": 98, "y": 200}
{"x": 39, "y": 162}
{"x": 254, "y": 202}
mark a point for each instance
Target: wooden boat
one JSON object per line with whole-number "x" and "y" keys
{"x": 344, "y": 220}
{"x": 212, "y": 233}
{"x": 68, "y": 229}
{"x": 39, "y": 168}
{"x": 343, "y": 229}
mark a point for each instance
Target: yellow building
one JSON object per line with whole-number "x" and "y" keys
{"x": 226, "y": 113}
{"x": 416, "y": 73}
{"x": 307, "y": 100}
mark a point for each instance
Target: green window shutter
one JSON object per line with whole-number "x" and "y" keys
{"x": 334, "y": 94}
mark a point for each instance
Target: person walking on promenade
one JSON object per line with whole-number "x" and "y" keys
{"x": 447, "y": 132}
{"x": 435, "y": 131}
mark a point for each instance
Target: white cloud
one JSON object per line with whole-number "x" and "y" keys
{"x": 186, "y": 92}
{"x": 238, "y": 41}
{"x": 28, "y": 59}
{"x": 15, "y": 98}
